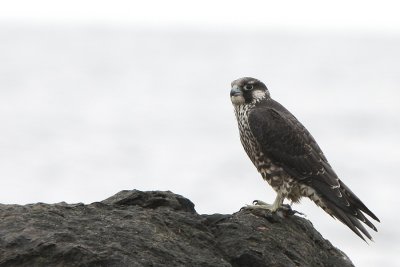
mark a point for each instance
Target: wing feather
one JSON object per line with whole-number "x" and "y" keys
{"x": 288, "y": 143}
{"x": 283, "y": 138}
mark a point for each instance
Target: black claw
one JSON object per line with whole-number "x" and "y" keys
{"x": 286, "y": 207}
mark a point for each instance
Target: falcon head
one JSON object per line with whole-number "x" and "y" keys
{"x": 248, "y": 90}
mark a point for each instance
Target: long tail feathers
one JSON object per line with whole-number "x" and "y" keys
{"x": 348, "y": 220}
{"x": 344, "y": 205}
{"x": 356, "y": 201}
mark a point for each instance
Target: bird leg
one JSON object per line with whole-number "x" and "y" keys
{"x": 278, "y": 203}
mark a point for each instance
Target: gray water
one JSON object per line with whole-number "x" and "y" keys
{"x": 89, "y": 111}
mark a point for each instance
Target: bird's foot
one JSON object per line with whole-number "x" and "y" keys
{"x": 259, "y": 204}
{"x": 283, "y": 210}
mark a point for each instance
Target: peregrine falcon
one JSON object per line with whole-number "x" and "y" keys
{"x": 289, "y": 159}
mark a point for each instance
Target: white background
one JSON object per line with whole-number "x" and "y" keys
{"x": 101, "y": 96}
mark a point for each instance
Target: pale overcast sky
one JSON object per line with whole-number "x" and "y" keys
{"x": 339, "y": 15}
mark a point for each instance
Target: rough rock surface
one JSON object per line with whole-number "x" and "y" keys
{"x": 134, "y": 228}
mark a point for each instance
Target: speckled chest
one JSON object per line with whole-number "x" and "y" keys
{"x": 263, "y": 164}
{"x": 273, "y": 174}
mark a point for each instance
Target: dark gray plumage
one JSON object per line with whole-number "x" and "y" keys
{"x": 289, "y": 159}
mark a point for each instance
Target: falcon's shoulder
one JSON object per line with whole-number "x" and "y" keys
{"x": 288, "y": 143}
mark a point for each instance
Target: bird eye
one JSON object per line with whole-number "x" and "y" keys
{"x": 248, "y": 87}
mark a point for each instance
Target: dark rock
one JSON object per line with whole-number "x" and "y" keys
{"x": 151, "y": 199}
{"x": 134, "y": 228}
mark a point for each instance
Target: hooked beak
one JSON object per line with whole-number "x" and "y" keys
{"x": 235, "y": 91}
